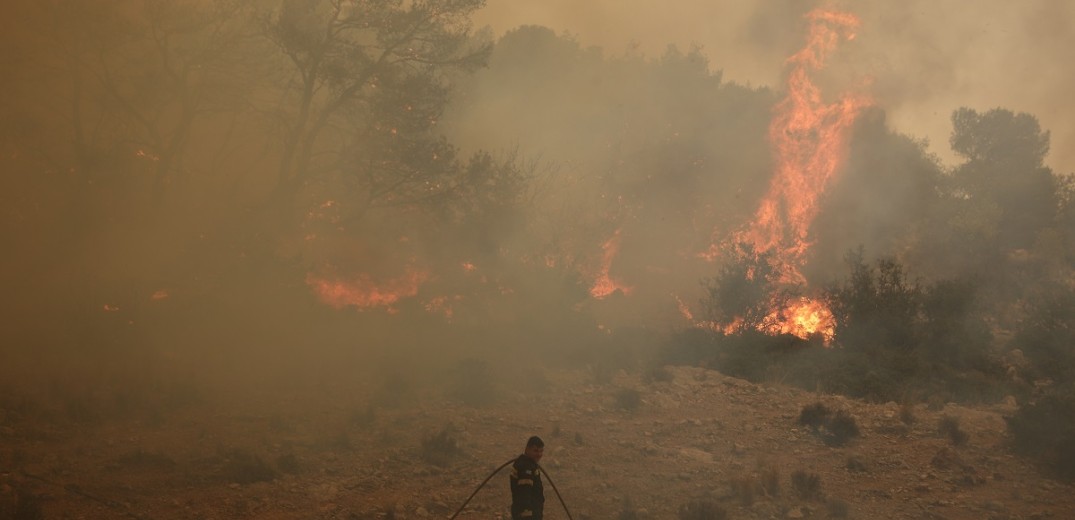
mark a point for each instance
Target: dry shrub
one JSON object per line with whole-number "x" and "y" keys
{"x": 628, "y": 399}
{"x": 1045, "y": 430}
{"x": 907, "y": 414}
{"x": 703, "y": 509}
{"x": 835, "y": 429}
{"x": 838, "y": 508}
{"x": 472, "y": 383}
{"x": 770, "y": 481}
{"x": 814, "y": 415}
{"x": 806, "y": 485}
{"x": 855, "y": 464}
{"x": 438, "y": 449}
{"x": 243, "y": 467}
{"x": 949, "y": 427}
{"x": 745, "y": 489}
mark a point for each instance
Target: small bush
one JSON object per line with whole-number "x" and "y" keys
{"x": 745, "y": 490}
{"x": 243, "y": 467}
{"x": 288, "y": 463}
{"x": 949, "y": 427}
{"x": 363, "y": 417}
{"x": 841, "y": 428}
{"x": 814, "y": 415}
{"x": 702, "y": 510}
{"x": 628, "y": 512}
{"x": 394, "y": 391}
{"x": 855, "y": 464}
{"x": 835, "y": 429}
{"x": 27, "y": 506}
{"x": 438, "y": 449}
{"x": 838, "y": 508}
{"x": 147, "y": 460}
{"x": 806, "y": 485}
{"x": 770, "y": 481}
{"x": 628, "y": 399}
{"x": 473, "y": 383}
{"x": 907, "y": 416}
{"x": 1045, "y": 430}
{"x": 659, "y": 374}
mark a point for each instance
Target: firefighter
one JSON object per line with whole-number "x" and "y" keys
{"x": 527, "y": 494}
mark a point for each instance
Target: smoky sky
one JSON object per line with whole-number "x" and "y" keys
{"x": 921, "y": 59}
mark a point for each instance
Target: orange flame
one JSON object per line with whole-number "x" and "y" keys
{"x": 604, "y": 285}
{"x": 804, "y": 318}
{"x": 809, "y": 140}
{"x": 365, "y": 293}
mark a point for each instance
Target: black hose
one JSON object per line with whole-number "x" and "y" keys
{"x": 497, "y": 470}
{"x": 467, "y": 501}
{"x": 546, "y": 473}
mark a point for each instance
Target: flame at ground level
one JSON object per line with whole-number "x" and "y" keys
{"x": 364, "y": 292}
{"x": 805, "y": 318}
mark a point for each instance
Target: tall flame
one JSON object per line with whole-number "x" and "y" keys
{"x": 809, "y": 142}
{"x": 604, "y": 285}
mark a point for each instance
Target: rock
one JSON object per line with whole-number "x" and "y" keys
{"x": 796, "y": 513}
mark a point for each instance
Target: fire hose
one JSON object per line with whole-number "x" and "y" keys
{"x": 497, "y": 470}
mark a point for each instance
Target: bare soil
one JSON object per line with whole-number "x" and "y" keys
{"x": 697, "y": 437}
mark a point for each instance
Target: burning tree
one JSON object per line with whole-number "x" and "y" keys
{"x": 809, "y": 141}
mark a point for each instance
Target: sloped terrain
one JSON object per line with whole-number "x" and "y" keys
{"x": 620, "y": 447}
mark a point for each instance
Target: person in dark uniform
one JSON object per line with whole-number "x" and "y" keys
{"x": 527, "y": 494}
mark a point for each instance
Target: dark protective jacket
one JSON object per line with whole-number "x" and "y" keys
{"x": 527, "y": 493}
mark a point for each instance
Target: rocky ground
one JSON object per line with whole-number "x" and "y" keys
{"x": 678, "y": 441}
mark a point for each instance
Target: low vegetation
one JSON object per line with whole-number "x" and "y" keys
{"x": 1045, "y": 430}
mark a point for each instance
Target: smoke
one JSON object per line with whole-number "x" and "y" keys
{"x": 925, "y": 58}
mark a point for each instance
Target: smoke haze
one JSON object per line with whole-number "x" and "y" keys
{"x": 924, "y": 58}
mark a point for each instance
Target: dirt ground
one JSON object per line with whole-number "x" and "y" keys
{"x": 620, "y": 447}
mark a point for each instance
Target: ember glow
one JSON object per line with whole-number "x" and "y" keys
{"x": 604, "y": 285}
{"x": 364, "y": 292}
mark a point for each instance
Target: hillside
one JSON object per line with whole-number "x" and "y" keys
{"x": 693, "y": 437}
